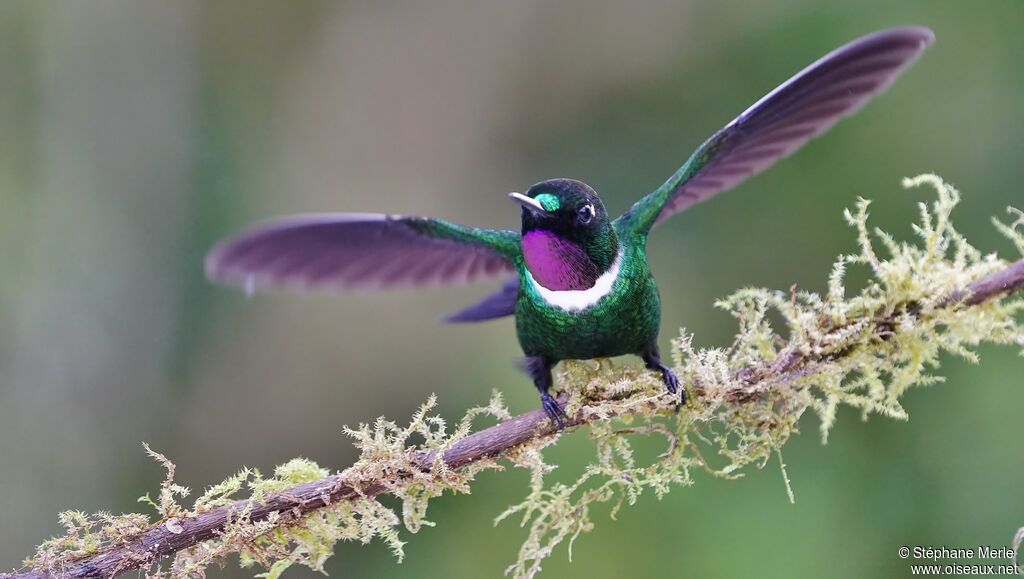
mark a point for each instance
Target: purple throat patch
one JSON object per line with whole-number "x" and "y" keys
{"x": 558, "y": 264}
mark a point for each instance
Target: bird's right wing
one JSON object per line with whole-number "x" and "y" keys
{"x": 499, "y": 304}
{"x": 359, "y": 250}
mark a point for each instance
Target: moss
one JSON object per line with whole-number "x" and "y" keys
{"x": 862, "y": 349}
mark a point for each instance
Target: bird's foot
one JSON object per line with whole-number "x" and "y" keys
{"x": 673, "y": 385}
{"x": 554, "y": 410}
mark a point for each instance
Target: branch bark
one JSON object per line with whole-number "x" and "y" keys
{"x": 163, "y": 541}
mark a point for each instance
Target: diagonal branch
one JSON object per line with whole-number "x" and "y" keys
{"x": 164, "y": 539}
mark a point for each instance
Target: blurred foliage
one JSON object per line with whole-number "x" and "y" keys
{"x": 135, "y": 134}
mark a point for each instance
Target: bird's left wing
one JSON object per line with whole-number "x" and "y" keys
{"x": 806, "y": 105}
{"x": 360, "y": 250}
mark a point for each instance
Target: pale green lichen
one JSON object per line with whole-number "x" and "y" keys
{"x": 275, "y": 543}
{"x": 862, "y": 350}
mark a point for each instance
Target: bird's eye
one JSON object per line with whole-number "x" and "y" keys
{"x": 585, "y": 214}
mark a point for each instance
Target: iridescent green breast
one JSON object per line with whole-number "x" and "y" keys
{"x": 621, "y": 318}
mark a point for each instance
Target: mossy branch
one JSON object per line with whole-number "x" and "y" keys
{"x": 865, "y": 351}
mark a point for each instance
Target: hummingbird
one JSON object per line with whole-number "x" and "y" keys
{"x": 582, "y": 287}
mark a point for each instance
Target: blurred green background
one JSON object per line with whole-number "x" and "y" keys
{"x": 134, "y": 135}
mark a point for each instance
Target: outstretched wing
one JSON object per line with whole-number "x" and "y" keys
{"x": 351, "y": 250}
{"x": 803, "y": 107}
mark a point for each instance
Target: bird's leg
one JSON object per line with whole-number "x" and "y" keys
{"x": 653, "y": 362}
{"x": 539, "y": 369}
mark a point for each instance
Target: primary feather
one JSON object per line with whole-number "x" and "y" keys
{"x": 805, "y": 106}
{"x": 360, "y": 250}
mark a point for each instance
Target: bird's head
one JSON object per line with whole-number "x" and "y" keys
{"x": 568, "y": 239}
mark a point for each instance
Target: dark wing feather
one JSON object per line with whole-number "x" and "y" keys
{"x": 806, "y": 105}
{"x": 349, "y": 250}
{"x": 499, "y": 304}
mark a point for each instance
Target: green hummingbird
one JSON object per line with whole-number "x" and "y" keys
{"x": 583, "y": 288}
